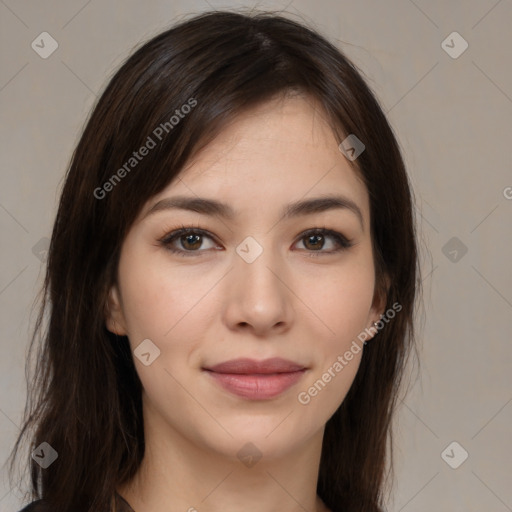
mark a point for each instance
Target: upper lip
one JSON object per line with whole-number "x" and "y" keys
{"x": 252, "y": 366}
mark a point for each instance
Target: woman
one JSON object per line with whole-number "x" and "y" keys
{"x": 231, "y": 283}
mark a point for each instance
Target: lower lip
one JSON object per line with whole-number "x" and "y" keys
{"x": 259, "y": 386}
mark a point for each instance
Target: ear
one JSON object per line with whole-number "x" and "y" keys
{"x": 114, "y": 317}
{"x": 380, "y": 297}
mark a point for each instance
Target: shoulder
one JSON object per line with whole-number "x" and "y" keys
{"x": 36, "y": 506}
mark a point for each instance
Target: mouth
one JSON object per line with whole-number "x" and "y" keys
{"x": 256, "y": 380}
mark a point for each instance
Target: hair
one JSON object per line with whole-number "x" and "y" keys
{"x": 85, "y": 395}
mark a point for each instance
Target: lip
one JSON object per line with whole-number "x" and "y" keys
{"x": 256, "y": 380}
{"x": 252, "y": 366}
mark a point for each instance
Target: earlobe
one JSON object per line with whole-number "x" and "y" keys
{"x": 114, "y": 318}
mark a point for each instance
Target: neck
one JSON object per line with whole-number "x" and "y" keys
{"x": 178, "y": 473}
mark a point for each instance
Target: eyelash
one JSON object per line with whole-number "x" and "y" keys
{"x": 342, "y": 242}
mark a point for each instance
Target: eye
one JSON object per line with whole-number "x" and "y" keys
{"x": 190, "y": 239}
{"x": 315, "y": 240}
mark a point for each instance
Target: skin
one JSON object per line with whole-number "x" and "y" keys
{"x": 297, "y": 300}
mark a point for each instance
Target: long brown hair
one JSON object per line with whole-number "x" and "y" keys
{"x": 85, "y": 395}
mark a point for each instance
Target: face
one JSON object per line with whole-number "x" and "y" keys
{"x": 268, "y": 269}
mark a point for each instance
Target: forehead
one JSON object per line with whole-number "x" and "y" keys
{"x": 276, "y": 153}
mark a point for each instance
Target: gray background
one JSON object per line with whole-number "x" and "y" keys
{"x": 453, "y": 119}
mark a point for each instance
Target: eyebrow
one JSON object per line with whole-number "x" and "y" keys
{"x": 217, "y": 209}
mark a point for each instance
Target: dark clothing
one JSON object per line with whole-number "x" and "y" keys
{"x": 121, "y": 505}
{"x": 35, "y": 506}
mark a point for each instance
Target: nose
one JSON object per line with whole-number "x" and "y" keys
{"x": 258, "y": 297}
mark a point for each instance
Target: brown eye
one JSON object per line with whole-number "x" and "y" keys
{"x": 191, "y": 241}
{"x": 187, "y": 241}
{"x": 315, "y": 240}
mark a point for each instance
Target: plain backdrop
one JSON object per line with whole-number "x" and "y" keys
{"x": 451, "y": 108}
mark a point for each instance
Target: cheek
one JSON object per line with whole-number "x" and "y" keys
{"x": 343, "y": 303}
{"x": 158, "y": 298}
{"x": 342, "y": 300}
{"x": 167, "y": 307}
